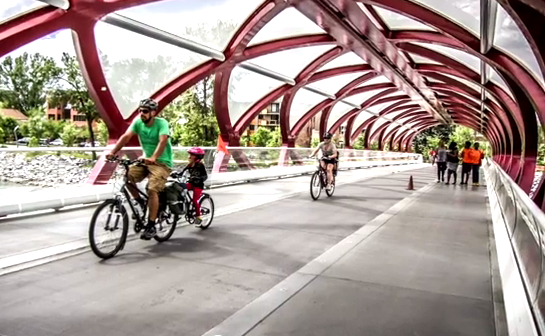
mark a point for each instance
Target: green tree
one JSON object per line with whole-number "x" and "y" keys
{"x": 462, "y": 134}
{"x": 36, "y": 121}
{"x": 276, "y": 138}
{"x": 2, "y": 136}
{"x": 198, "y": 126}
{"x": 75, "y": 93}
{"x": 442, "y": 132}
{"x": 69, "y": 134}
{"x": 25, "y": 80}
{"x": 315, "y": 142}
{"x": 261, "y": 137}
{"x": 7, "y": 125}
{"x": 359, "y": 143}
{"x": 102, "y": 133}
{"x": 541, "y": 146}
{"x": 52, "y": 128}
{"x": 245, "y": 140}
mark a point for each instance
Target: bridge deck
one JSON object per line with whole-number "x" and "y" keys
{"x": 425, "y": 271}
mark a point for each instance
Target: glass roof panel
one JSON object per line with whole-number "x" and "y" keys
{"x": 510, "y": 39}
{"x": 420, "y": 59}
{"x": 390, "y": 128}
{"x": 492, "y": 98}
{"x": 466, "y": 13}
{"x": 377, "y": 80}
{"x": 433, "y": 80}
{"x": 302, "y": 102}
{"x": 12, "y": 8}
{"x": 133, "y": 72}
{"x": 378, "y": 108}
{"x": 360, "y": 119}
{"x": 362, "y": 97}
{"x": 397, "y": 21}
{"x": 496, "y": 79}
{"x": 211, "y": 23}
{"x": 337, "y": 112}
{"x": 348, "y": 58}
{"x": 333, "y": 84}
{"x": 469, "y": 83}
{"x": 245, "y": 88}
{"x": 470, "y": 61}
{"x": 290, "y": 62}
{"x": 290, "y": 22}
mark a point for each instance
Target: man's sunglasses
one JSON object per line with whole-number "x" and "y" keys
{"x": 144, "y": 111}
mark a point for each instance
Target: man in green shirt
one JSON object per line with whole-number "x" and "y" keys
{"x": 153, "y": 135}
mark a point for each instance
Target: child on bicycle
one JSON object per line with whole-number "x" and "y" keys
{"x": 197, "y": 176}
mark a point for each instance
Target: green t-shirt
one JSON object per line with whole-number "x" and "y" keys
{"x": 149, "y": 138}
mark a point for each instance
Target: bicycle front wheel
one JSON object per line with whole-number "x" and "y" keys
{"x": 207, "y": 211}
{"x": 315, "y": 186}
{"x": 108, "y": 229}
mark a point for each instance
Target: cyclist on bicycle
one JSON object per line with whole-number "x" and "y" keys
{"x": 154, "y": 137}
{"x": 329, "y": 157}
{"x": 197, "y": 176}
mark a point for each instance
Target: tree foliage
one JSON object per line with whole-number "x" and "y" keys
{"x": 261, "y": 137}
{"x": 69, "y": 135}
{"x": 462, "y": 134}
{"x": 8, "y": 124}
{"x": 359, "y": 143}
{"x": 541, "y": 146}
{"x": 75, "y": 93}
{"x": 24, "y": 81}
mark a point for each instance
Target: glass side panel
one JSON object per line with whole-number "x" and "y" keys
{"x": 52, "y": 45}
{"x": 420, "y": 59}
{"x": 337, "y": 112}
{"x": 496, "y": 79}
{"x": 290, "y": 62}
{"x": 433, "y": 80}
{"x": 360, "y": 119}
{"x": 245, "y": 88}
{"x": 12, "y": 8}
{"x": 349, "y": 58}
{"x": 211, "y": 23}
{"x": 469, "y": 83}
{"x": 390, "y": 128}
{"x": 290, "y": 22}
{"x": 510, "y": 39}
{"x": 466, "y": 13}
{"x": 378, "y": 123}
{"x": 470, "y": 61}
{"x": 397, "y": 21}
{"x": 133, "y": 72}
{"x": 362, "y": 97}
{"x": 302, "y": 102}
{"x": 333, "y": 84}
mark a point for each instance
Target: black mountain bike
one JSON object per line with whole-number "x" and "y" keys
{"x": 109, "y": 237}
{"x": 318, "y": 181}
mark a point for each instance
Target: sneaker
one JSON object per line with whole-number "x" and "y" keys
{"x": 447, "y": 183}
{"x": 148, "y": 233}
{"x": 198, "y": 221}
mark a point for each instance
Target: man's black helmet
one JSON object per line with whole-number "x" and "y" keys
{"x": 327, "y": 135}
{"x": 149, "y": 104}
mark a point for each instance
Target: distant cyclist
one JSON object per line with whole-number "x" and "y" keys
{"x": 329, "y": 157}
{"x": 197, "y": 176}
{"x": 154, "y": 137}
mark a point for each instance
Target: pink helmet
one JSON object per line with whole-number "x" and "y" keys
{"x": 197, "y": 151}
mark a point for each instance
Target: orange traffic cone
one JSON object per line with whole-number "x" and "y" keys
{"x": 411, "y": 184}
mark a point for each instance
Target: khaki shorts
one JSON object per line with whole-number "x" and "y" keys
{"x": 157, "y": 174}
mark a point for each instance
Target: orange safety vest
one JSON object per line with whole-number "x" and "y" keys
{"x": 466, "y": 158}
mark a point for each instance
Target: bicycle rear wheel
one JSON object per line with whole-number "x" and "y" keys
{"x": 108, "y": 238}
{"x": 207, "y": 211}
{"x": 330, "y": 192}
{"x": 315, "y": 186}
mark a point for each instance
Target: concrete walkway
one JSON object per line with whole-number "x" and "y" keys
{"x": 421, "y": 268}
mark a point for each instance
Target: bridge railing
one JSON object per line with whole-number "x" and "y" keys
{"x": 64, "y": 171}
{"x": 525, "y": 227}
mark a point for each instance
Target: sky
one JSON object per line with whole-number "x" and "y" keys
{"x": 175, "y": 16}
